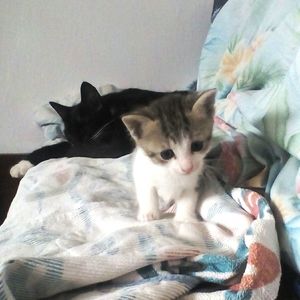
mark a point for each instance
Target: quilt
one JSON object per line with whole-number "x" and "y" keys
{"x": 252, "y": 56}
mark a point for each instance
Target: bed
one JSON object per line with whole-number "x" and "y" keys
{"x": 71, "y": 230}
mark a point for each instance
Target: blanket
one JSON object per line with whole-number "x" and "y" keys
{"x": 252, "y": 56}
{"x": 71, "y": 233}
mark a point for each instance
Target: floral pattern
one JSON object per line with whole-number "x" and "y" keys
{"x": 252, "y": 57}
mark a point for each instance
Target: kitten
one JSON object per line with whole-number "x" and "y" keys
{"x": 93, "y": 127}
{"x": 172, "y": 138}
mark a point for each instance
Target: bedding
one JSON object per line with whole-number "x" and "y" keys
{"x": 71, "y": 233}
{"x": 253, "y": 60}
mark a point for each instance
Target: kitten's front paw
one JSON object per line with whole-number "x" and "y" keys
{"x": 145, "y": 216}
{"x": 20, "y": 169}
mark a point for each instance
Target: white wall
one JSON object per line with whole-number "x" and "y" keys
{"x": 47, "y": 48}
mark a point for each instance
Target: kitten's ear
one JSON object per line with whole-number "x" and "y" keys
{"x": 204, "y": 105}
{"x": 90, "y": 97}
{"x": 62, "y": 110}
{"x": 136, "y": 125}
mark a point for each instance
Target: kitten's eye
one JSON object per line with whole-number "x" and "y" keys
{"x": 196, "y": 146}
{"x": 167, "y": 154}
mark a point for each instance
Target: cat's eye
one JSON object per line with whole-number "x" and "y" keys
{"x": 167, "y": 154}
{"x": 197, "y": 146}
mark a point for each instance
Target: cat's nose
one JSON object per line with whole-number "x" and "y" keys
{"x": 187, "y": 169}
{"x": 186, "y": 166}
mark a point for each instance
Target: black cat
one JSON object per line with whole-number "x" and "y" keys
{"x": 93, "y": 127}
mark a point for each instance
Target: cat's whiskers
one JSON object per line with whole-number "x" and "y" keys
{"x": 96, "y": 135}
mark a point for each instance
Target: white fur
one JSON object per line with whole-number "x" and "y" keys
{"x": 20, "y": 169}
{"x": 185, "y": 161}
{"x": 175, "y": 180}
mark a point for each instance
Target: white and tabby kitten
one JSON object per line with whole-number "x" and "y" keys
{"x": 172, "y": 137}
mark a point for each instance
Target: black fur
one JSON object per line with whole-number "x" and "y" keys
{"x": 93, "y": 127}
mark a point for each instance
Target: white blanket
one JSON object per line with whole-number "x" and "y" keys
{"x": 72, "y": 233}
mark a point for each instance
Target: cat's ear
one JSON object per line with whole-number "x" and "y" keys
{"x": 137, "y": 125}
{"x": 204, "y": 105}
{"x": 62, "y": 110}
{"x": 90, "y": 97}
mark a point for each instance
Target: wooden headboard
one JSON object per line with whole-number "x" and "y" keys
{"x": 8, "y": 185}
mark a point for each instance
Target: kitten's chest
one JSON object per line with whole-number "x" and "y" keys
{"x": 174, "y": 187}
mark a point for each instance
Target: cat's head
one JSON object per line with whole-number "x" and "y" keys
{"x": 175, "y": 131}
{"x": 82, "y": 120}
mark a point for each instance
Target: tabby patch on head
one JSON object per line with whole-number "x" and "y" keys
{"x": 175, "y": 130}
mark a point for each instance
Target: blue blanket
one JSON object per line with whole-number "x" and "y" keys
{"x": 252, "y": 56}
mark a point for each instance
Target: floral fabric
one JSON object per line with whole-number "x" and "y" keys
{"x": 252, "y": 57}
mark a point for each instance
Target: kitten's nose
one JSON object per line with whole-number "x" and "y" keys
{"x": 187, "y": 169}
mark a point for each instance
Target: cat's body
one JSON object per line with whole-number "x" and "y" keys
{"x": 93, "y": 127}
{"x": 172, "y": 138}
{"x": 96, "y": 119}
